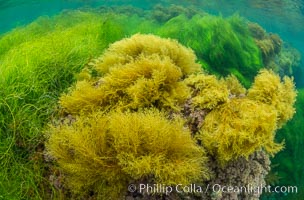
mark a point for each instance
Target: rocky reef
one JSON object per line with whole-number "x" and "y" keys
{"x": 146, "y": 114}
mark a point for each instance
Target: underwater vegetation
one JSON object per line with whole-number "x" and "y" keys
{"x": 289, "y": 60}
{"x": 163, "y": 14}
{"x": 268, "y": 88}
{"x": 176, "y": 87}
{"x": 269, "y": 44}
{"x": 249, "y": 123}
{"x": 37, "y": 63}
{"x": 103, "y": 153}
{"x": 207, "y": 91}
{"x": 277, "y": 55}
{"x": 227, "y": 134}
{"x": 106, "y": 137}
{"x": 289, "y": 163}
{"x": 126, "y": 84}
{"x": 223, "y": 46}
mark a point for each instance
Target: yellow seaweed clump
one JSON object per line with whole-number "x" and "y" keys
{"x": 268, "y": 88}
{"x": 269, "y": 44}
{"x": 234, "y": 86}
{"x": 238, "y": 128}
{"x": 106, "y": 152}
{"x": 244, "y": 123}
{"x": 130, "y": 49}
{"x": 138, "y": 72}
{"x": 207, "y": 91}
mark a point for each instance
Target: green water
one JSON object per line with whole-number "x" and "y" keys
{"x": 44, "y": 44}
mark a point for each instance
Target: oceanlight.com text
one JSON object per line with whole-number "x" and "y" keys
{"x": 216, "y": 188}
